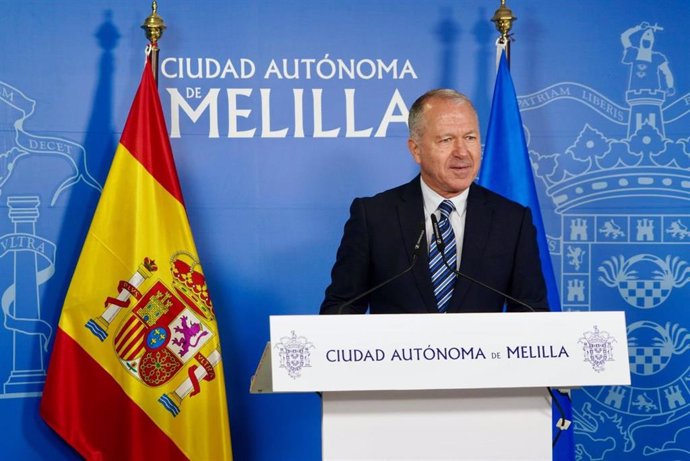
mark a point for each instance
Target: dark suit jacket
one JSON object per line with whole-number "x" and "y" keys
{"x": 499, "y": 249}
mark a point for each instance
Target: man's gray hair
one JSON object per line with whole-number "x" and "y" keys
{"x": 415, "y": 119}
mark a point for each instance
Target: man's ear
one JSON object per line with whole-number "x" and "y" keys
{"x": 414, "y": 149}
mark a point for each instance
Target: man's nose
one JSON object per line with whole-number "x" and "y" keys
{"x": 460, "y": 148}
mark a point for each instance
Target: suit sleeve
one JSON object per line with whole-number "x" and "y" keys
{"x": 527, "y": 282}
{"x": 350, "y": 276}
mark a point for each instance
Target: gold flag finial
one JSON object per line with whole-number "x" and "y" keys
{"x": 503, "y": 19}
{"x": 154, "y": 26}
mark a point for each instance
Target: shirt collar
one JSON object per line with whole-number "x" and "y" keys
{"x": 432, "y": 199}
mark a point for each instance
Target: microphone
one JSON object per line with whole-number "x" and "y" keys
{"x": 415, "y": 254}
{"x": 441, "y": 245}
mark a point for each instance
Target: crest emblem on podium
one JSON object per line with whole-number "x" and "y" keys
{"x": 294, "y": 354}
{"x": 598, "y": 348}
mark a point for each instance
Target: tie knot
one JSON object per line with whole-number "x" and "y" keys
{"x": 446, "y": 207}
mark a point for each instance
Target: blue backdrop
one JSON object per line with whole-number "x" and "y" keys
{"x": 280, "y": 113}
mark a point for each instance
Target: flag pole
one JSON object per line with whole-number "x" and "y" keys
{"x": 153, "y": 28}
{"x": 503, "y": 20}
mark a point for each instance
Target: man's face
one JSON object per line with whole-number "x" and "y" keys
{"x": 447, "y": 147}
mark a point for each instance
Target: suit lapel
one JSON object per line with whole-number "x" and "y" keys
{"x": 477, "y": 225}
{"x": 411, "y": 216}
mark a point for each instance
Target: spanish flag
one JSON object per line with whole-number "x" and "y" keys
{"x": 136, "y": 370}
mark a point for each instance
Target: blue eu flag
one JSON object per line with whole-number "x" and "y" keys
{"x": 506, "y": 169}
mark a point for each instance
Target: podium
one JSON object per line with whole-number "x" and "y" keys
{"x": 441, "y": 387}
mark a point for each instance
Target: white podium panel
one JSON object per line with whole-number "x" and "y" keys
{"x": 449, "y": 351}
{"x": 465, "y": 424}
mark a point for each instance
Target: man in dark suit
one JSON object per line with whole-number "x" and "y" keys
{"x": 487, "y": 236}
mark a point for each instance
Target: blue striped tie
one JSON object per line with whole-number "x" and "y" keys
{"x": 442, "y": 278}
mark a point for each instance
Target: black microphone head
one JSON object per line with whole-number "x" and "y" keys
{"x": 438, "y": 236}
{"x": 420, "y": 239}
